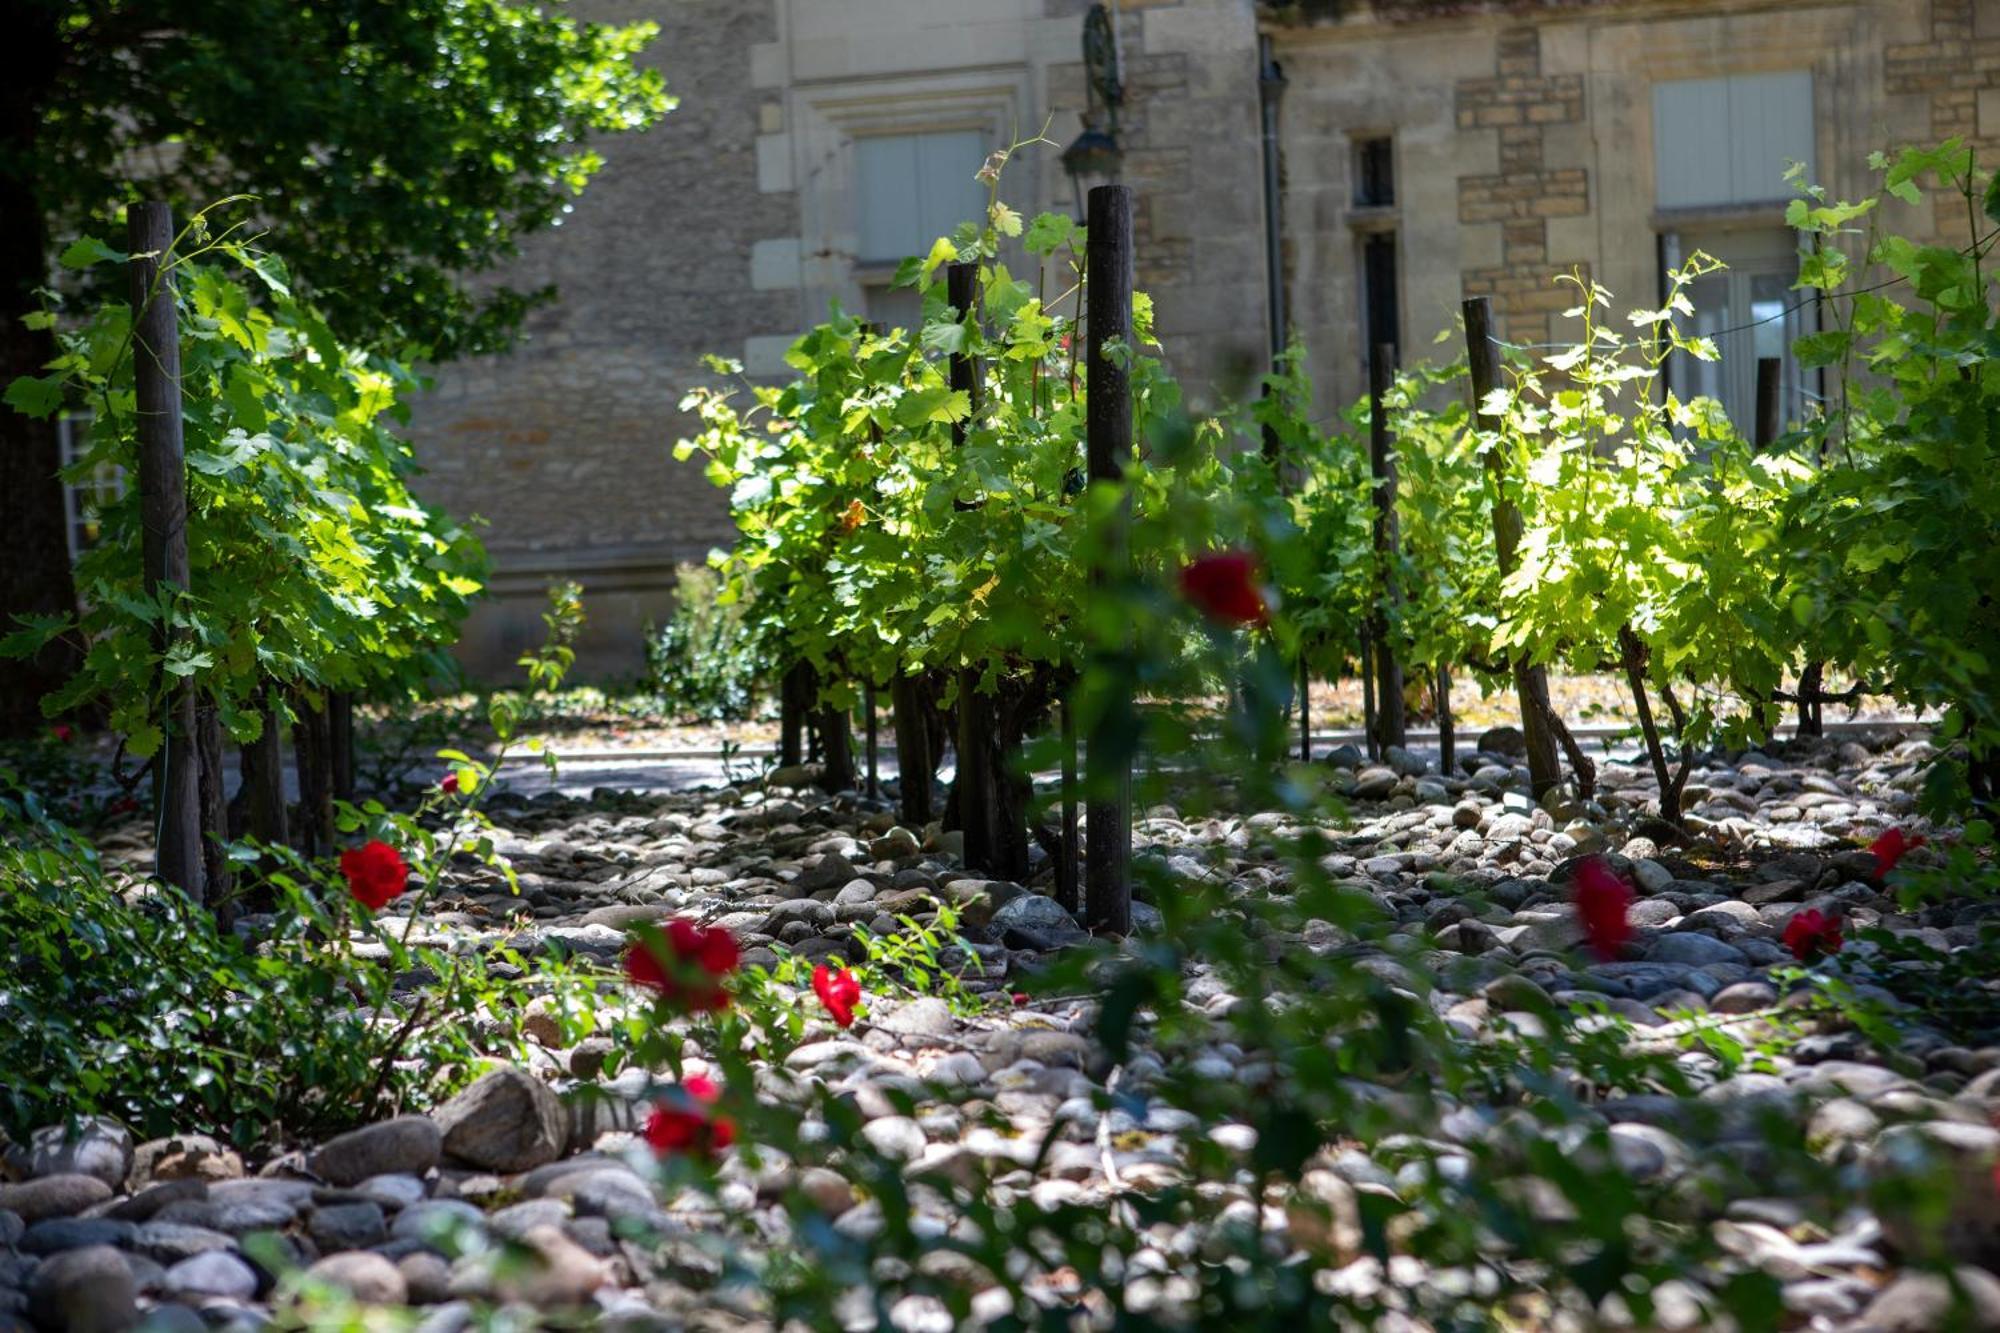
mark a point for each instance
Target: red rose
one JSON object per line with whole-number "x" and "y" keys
{"x": 375, "y": 873}
{"x": 1223, "y": 586}
{"x": 1020, "y": 997}
{"x": 838, "y": 991}
{"x": 683, "y": 1122}
{"x": 63, "y": 732}
{"x": 1889, "y": 849}
{"x": 1602, "y": 901}
{"x": 687, "y": 965}
{"x": 1811, "y": 933}
{"x": 448, "y": 784}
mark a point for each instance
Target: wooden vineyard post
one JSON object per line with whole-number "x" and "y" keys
{"x": 836, "y": 750}
{"x": 871, "y": 747}
{"x": 163, "y": 510}
{"x": 1389, "y": 722}
{"x": 1447, "y": 737}
{"x": 915, "y": 761}
{"x": 312, "y": 756}
{"x": 1305, "y": 710}
{"x": 1768, "y": 410}
{"x": 1769, "y": 422}
{"x": 1370, "y": 738}
{"x": 263, "y": 764}
{"x": 1069, "y": 864}
{"x": 1531, "y": 683}
{"x": 792, "y": 715}
{"x": 1108, "y": 293}
{"x": 978, "y": 781}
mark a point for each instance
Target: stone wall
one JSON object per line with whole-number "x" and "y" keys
{"x": 1524, "y": 142}
{"x": 1523, "y": 150}
{"x": 729, "y": 227}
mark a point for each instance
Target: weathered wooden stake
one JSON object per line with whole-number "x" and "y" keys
{"x": 836, "y": 750}
{"x": 163, "y": 515}
{"x": 1069, "y": 866}
{"x": 792, "y": 704}
{"x": 1108, "y": 289}
{"x": 1531, "y": 683}
{"x": 312, "y": 756}
{"x": 1768, "y": 414}
{"x": 978, "y": 781}
{"x": 873, "y": 750}
{"x": 1371, "y": 740}
{"x": 916, "y": 762}
{"x": 263, "y": 764}
{"x": 1305, "y": 710}
{"x": 1447, "y": 738}
{"x": 1389, "y": 719}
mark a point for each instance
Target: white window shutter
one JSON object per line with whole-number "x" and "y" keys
{"x": 1719, "y": 142}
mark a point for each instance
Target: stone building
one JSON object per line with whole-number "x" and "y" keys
{"x": 1429, "y": 150}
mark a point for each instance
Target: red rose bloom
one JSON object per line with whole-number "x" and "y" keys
{"x": 1602, "y": 901}
{"x": 1020, "y": 997}
{"x": 682, "y": 1122}
{"x": 376, "y": 873}
{"x": 63, "y": 732}
{"x": 838, "y": 991}
{"x": 448, "y": 784}
{"x": 1889, "y": 849}
{"x": 689, "y": 969}
{"x": 1811, "y": 933}
{"x": 1223, "y": 586}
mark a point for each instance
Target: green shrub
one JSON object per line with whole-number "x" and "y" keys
{"x": 706, "y": 660}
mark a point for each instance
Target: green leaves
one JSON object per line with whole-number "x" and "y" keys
{"x": 313, "y": 564}
{"x": 37, "y": 396}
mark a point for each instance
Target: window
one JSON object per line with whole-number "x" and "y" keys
{"x": 1374, "y": 173}
{"x": 85, "y": 499}
{"x": 1723, "y": 142}
{"x": 1751, "y": 311}
{"x": 913, "y": 188}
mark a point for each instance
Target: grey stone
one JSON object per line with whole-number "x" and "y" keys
{"x": 896, "y": 1137}
{"x": 409, "y": 1143}
{"x": 1037, "y": 922}
{"x": 183, "y": 1157}
{"x": 1404, "y": 762}
{"x": 1693, "y": 949}
{"x": 347, "y": 1226}
{"x": 367, "y": 1277}
{"x": 434, "y": 1220}
{"x": 91, "y": 1290}
{"x": 1506, "y": 741}
{"x": 214, "y": 1273}
{"x": 1376, "y": 783}
{"x": 97, "y": 1146}
{"x": 53, "y": 1196}
{"x": 56, "y": 1234}
{"x": 171, "y": 1242}
{"x": 508, "y": 1121}
{"x": 1927, "y": 1302}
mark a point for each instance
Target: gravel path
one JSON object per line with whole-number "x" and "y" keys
{"x": 97, "y": 1230}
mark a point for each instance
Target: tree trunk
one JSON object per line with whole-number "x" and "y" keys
{"x": 1633, "y": 654}
{"x": 313, "y": 757}
{"x": 34, "y": 545}
{"x": 915, "y": 761}
{"x": 264, "y": 781}
{"x": 792, "y": 705}
{"x": 837, "y": 750}
{"x": 212, "y": 788}
{"x": 340, "y": 743}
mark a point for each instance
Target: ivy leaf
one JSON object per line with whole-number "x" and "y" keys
{"x": 936, "y": 403}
